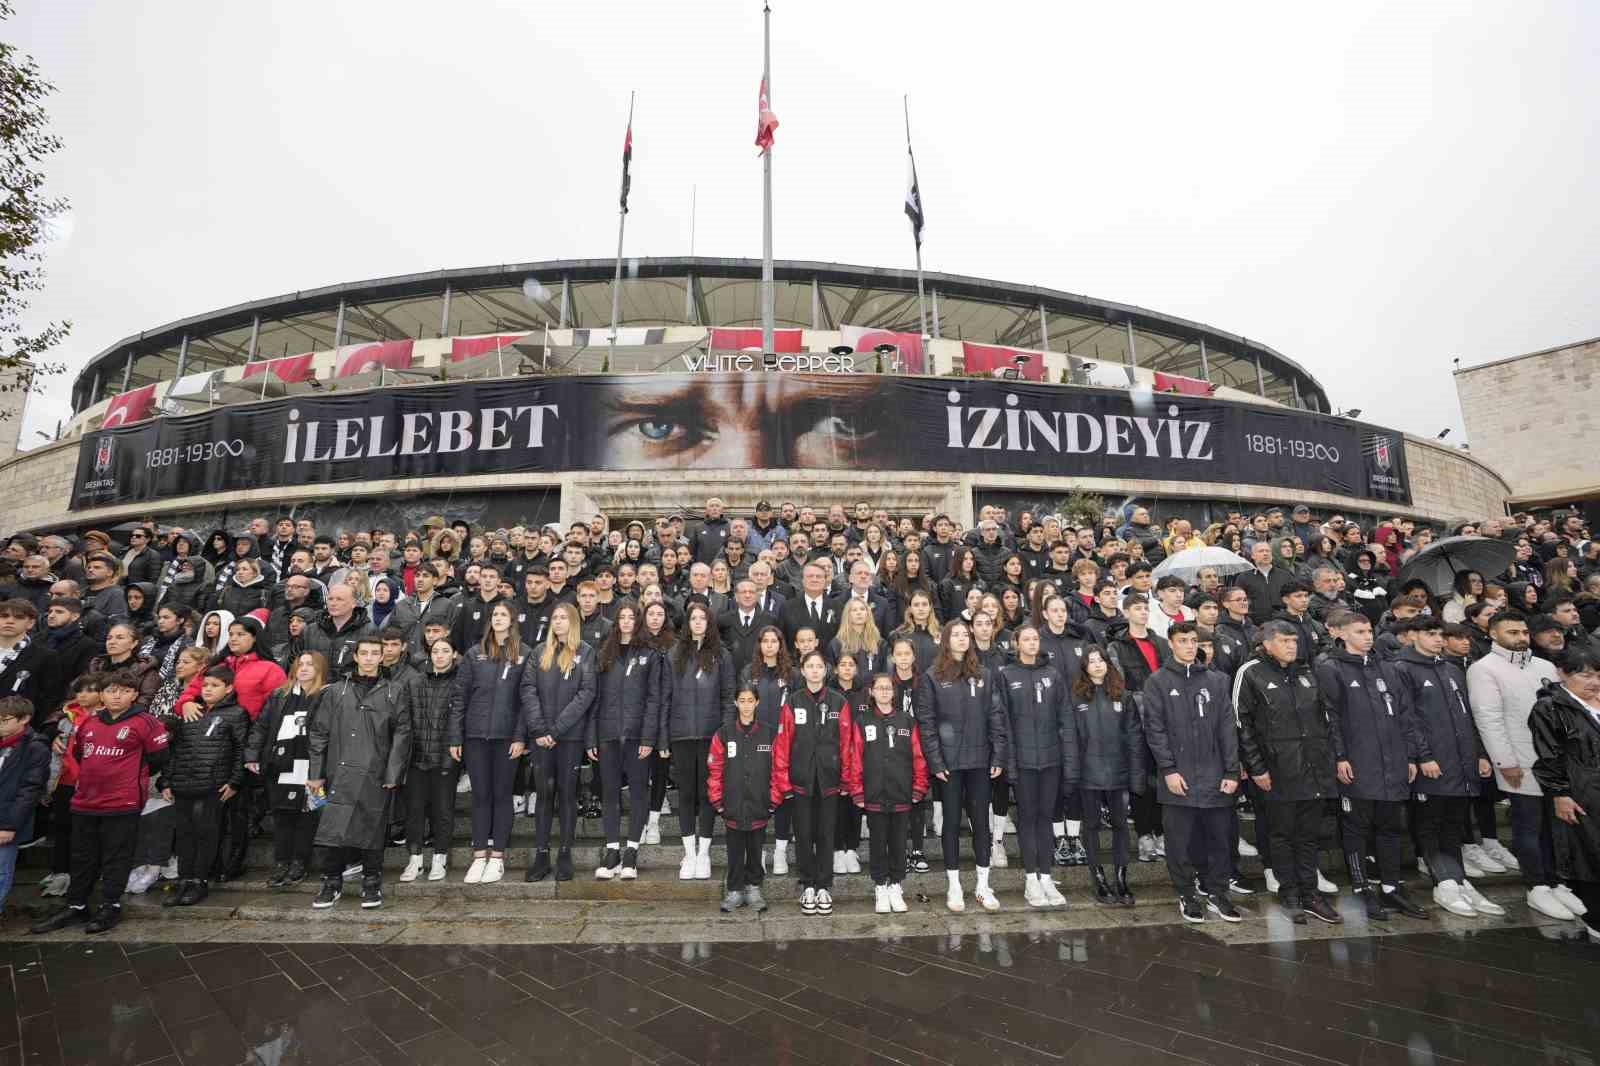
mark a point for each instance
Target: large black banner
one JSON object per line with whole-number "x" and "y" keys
{"x": 736, "y": 422}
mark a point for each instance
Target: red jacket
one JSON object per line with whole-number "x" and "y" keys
{"x": 69, "y": 761}
{"x": 115, "y": 757}
{"x": 254, "y": 678}
{"x": 747, "y": 774}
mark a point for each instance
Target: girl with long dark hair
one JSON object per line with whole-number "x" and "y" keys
{"x": 430, "y": 788}
{"x": 701, "y": 681}
{"x": 626, "y": 728}
{"x": 772, "y": 674}
{"x": 487, "y": 735}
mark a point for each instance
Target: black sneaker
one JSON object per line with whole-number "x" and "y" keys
{"x": 539, "y": 869}
{"x": 630, "y": 864}
{"x": 193, "y": 892}
{"x": 1401, "y": 902}
{"x": 175, "y": 897}
{"x": 1223, "y": 908}
{"x": 105, "y": 919}
{"x": 1372, "y": 898}
{"x": 371, "y": 892}
{"x": 1190, "y": 909}
{"x": 610, "y": 864}
{"x": 61, "y": 919}
{"x": 918, "y": 862}
{"x": 1240, "y": 886}
{"x": 330, "y": 893}
{"x": 1317, "y": 907}
{"x": 297, "y": 872}
{"x": 280, "y": 876}
{"x": 564, "y": 865}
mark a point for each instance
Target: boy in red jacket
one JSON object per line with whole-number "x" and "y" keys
{"x": 116, "y": 749}
{"x": 747, "y": 779}
{"x": 885, "y": 774}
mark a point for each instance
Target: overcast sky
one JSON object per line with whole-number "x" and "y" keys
{"x": 1371, "y": 188}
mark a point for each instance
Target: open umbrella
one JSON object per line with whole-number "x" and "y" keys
{"x": 1440, "y": 562}
{"x": 1188, "y": 563}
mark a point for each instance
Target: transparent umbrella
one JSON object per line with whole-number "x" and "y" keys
{"x": 1188, "y": 563}
{"x": 1440, "y": 562}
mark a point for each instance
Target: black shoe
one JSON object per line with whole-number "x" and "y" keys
{"x": 330, "y": 893}
{"x": 1124, "y": 893}
{"x": 231, "y": 873}
{"x": 610, "y": 864}
{"x": 564, "y": 865}
{"x": 1103, "y": 893}
{"x": 280, "y": 876}
{"x": 1076, "y": 855}
{"x": 371, "y": 891}
{"x": 1190, "y": 909}
{"x": 175, "y": 897}
{"x": 918, "y": 862}
{"x": 1223, "y": 908}
{"x": 105, "y": 919}
{"x": 1399, "y": 901}
{"x": 630, "y": 859}
{"x": 1372, "y": 899}
{"x": 539, "y": 869}
{"x": 297, "y": 872}
{"x": 1318, "y": 908}
{"x": 1240, "y": 886}
{"x": 61, "y": 919}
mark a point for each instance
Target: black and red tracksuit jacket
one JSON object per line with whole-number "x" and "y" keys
{"x": 884, "y": 769}
{"x": 115, "y": 757}
{"x": 748, "y": 770}
{"x": 817, "y": 745}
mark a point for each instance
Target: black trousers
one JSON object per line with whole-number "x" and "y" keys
{"x": 492, "y": 771}
{"x": 102, "y": 849}
{"x": 234, "y": 839}
{"x": 814, "y": 817}
{"x": 1480, "y": 823}
{"x": 1148, "y": 816}
{"x": 847, "y": 827}
{"x": 1533, "y": 839}
{"x": 1000, "y": 794}
{"x": 744, "y": 857}
{"x": 1383, "y": 821}
{"x": 556, "y": 770}
{"x": 966, "y": 791}
{"x": 292, "y": 834}
{"x": 660, "y": 777}
{"x": 619, "y": 762}
{"x": 1439, "y": 822}
{"x": 1588, "y": 892}
{"x": 199, "y": 831}
{"x": 333, "y": 861}
{"x": 1117, "y": 800}
{"x": 61, "y": 830}
{"x": 1036, "y": 792}
{"x": 1189, "y": 828}
{"x": 887, "y": 854}
{"x": 430, "y": 797}
{"x": 695, "y": 813}
{"x": 1295, "y": 827}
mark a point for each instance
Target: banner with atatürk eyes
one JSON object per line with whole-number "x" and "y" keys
{"x": 737, "y": 422}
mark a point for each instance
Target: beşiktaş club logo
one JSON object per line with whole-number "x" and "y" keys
{"x": 104, "y": 450}
{"x": 1382, "y": 458}
{"x": 1076, "y": 432}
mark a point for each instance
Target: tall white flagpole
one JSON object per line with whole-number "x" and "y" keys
{"x": 622, "y": 222}
{"x": 768, "y": 308}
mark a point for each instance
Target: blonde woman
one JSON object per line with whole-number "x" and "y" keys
{"x": 278, "y": 740}
{"x": 557, "y": 695}
{"x": 486, "y": 733}
{"x": 858, "y": 638}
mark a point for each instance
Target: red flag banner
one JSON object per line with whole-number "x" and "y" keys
{"x": 463, "y": 348}
{"x": 766, "y": 121}
{"x": 1184, "y": 385}
{"x": 864, "y": 338}
{"x": 739, "y": 340}
{"x": 360, "y": 358}
{"x": 132, "y": 406}
{"x": 986, "y": 357}
{"x": 289, "y": 370}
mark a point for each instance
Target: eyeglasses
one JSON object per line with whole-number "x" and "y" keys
{"x": 138, "y": 536}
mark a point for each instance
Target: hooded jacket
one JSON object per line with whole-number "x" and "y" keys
{"x": 360, "y": 746}
{"x": 1035, "y": 705}
{"x": 963, "y": 728}
{"x": 556, "y": 702}
{"x": 1191, "y": 729}
{"x": 1285, "y": 731}
{"x": 190, "y": 586}
{"x": 240, "y": 598}
{"x": 1438, "y": 694}
{"x": 1566, "y": 741}
{"x": 1111, "y": 750}
{"x": 224, "y": 620}
{"x": 208, "y": 752}
{"x": 1503, "y": 687}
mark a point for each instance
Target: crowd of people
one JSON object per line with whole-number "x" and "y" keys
{"x": 823, "y": 677}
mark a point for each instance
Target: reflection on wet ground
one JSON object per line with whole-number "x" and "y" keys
{"x": 1126, "y": 995}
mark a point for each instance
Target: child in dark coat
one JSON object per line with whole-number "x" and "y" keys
{"x": 205, "y": 770}
{"x": 24, "y": 769}
{"x": 747, "y": 779}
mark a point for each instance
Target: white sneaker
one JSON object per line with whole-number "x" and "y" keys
{"x": 142, "y": 878}
{"x": 852, "y": 863}
{"x": 1448, "y": 895}
{"x": 1475, "y": 855}
{"x": 702, "y": 866}
{"x": 780, "y": 858}
{"x": 463, "y": 785}
{"x": 686, "y": 867}
{"x": 1501, "y": 854}
{"x": 413, "y": 869}
{"x": 666, "y": 806}
{"x": 1161, "y": 845}
{"x": 1247, "y": 850}
{"x": 955, "y": 899}
{"x": 838, "y": 863}
{"x": 897, "y": 899}
{"x": 1011, "y": 829}
{"x": 493, "y": 870}
{"x": 652, "y": 833}
{"x": 1052, "y": 894}
{"x": 986, "y": 898}
{"x": 1543, "y": 900}
{"x": 1325, "y": 886}
{"x": 1033, "y": 892}
{"x": 531, "y": 803}
{"x": 436, "y": 871}
{"x": 518, "y": 806}
{"x": 1481, "y": 903}
{"x": 997, "y": 852}
{"x": 1569, "y": 899}
{"x": 1422, "y": 867}
{"x": 880, "y": 899}
{"x": 475, "y": 871}
{"x": 1272, "y": 881}
{"x": 808, "y": 901}
{"x": 824, "y": 902}
{"x": 169, "y": 872}
{"x": 938, "y": 818}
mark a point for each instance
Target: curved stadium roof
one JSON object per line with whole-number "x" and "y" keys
{"x": 693, "y": 291}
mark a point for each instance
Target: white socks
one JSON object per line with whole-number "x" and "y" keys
{"x": 954, "y": 877}
{"x": 655, "y": 819}
{"x": 634, "y": 844}
{"x": 983, "y": 878}
{"x": 1058, "y": 828}
{"x": 997, "y": 826}
{"x": 779, "y": 847}
{"x": 688, "y": 845}
{"x": 1074, "y": 828}
{"x": 705, "y": 846}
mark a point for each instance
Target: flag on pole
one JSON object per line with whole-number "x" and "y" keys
{"x": 766, "y": 121}
{"x": 914, "y": 199}
{"x": 627, "y": 158}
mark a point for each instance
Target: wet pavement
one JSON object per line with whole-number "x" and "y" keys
{"x": 1230, "y": 996}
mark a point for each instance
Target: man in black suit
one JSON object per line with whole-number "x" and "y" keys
{"x": 741, "y": 622}
{"x": 768, "y": 599}
{"x": 861, "y": 589}
{"x": 811, "y": 606}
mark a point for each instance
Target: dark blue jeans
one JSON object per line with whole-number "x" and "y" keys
{"x": 1532, "y": 838}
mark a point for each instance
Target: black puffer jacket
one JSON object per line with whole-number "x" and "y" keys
{"x": 208, "y": 752}
{"x": 1038, "y": 720}
{"x": 772, "y": 691}
{"x": 486, "y": 698}
{"x": 1375, "y": 724}
{"x": 430, "y": 718}
{"x": 239, "y": 600}
{"x": 1233, "y": 644}
{"x": 1312, "y": 635}
{"x": 1065, "y": 649}
{"x": 698, "y": 701}
{"x": 1190, "y": 728}
{"x": 1284, "y": 730}
{"x": 556, "y": 702}
{"x": 1437, "y": 692}
{"x": 628, "y": 697}
{"x": 962, "y": 726}
{"x": 1111, "y": 748}
{"x": 338, "y": 643}
{"x": 989, "y": 558}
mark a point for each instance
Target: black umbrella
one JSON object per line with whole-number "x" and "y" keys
{"x": 1440, "y": 562}
{"x": 129, "y": 527}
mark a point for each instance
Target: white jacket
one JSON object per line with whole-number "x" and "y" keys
{"x": 1502, "y": 687}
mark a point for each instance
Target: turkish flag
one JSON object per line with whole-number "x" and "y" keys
{"x": 289, "y": 370}
{"x": 766, "y": 121}
{"x": 738, "y": 340}
{"x": 360, "y": 358}
{"x": 133, "y": 406}
{"x": 464, "y": 348}
{"x": 984, "y": 357}
{"x": 864, "y": 338}
{"x": 1185, "y": 385}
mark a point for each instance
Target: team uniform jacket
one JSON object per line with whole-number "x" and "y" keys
{"x": 817, "y": 744}
{"x": 1284, "y": 729}
{"x": 963, "y": 727}
{"x": 1437, "y": 692}
{"x": 884, "y": 769}
{"x": 698, "y": 701}
{"x": 1111, "y": 747}
{"x": 556, "y": 702}
{"x": 1065, "y": 650}
{"x": 115, "y": 757}
{"x": 1040, "y": 734}
{"x": 1190, "y": 727}
{"x": 1377, "y": 729}
{"x": 772, "y": 692}
{"x": 485, "y": 701}
{"x": 628, "y": 697}
{"x": 747, "y": 772}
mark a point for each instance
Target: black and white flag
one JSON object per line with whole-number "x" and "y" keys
{"x": 914, "y": 199}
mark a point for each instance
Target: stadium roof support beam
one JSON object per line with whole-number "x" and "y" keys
{"x": 338, "y": 325}
{"x": 444, "y": 313}
{"x": 127, "y": 371}
{"x": 1261, "y": 380}
{"x": 1294, "y": 382}
{"x": 1205, "y": 361}
{"x": 183, "y": 356}
{"x": 1044, "y": 329}
{"x": 566, "y": 300}
{"x": 936, "y": 332}
{"x": 255, "y": 337}
{"x": 1133, "y": 353}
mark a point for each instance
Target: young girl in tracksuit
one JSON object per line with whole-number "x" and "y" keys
{"x": 774, "y": 678}
{"x": 625, "y": 728}
{"x": 885, "y": 774}
{"x": 904, "y": 673}
{"x": 747, "y": 777}
{"x": 848, "y": 682}
{"x": 821, "y": 719}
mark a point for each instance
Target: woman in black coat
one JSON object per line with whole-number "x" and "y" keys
{"x": 557, "y": 695}
{"x": 430, "y": 788}
{"x": 1041, "y": 755}
{"x": 625, "y": 728}
{"x": 279, "y": 740}
{"x": 1111, "y": 763}
{"x": 700, "y": 683}
{"x": 1565, "y": 724}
